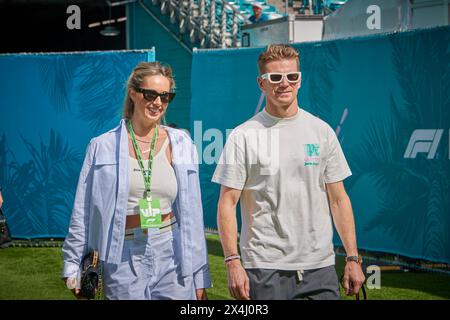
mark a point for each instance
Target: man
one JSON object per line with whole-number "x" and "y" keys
{"x": 287, "y": 169}
{"x": 257, "y": 13}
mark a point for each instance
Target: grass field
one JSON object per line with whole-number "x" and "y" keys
{"x": 34, "y": 273}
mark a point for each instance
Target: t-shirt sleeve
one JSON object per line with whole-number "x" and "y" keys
{"x": 231, "y": 170}
{"x": 336, "y": 168}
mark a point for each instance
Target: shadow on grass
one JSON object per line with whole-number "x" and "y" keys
{"x": 34, "y": 273}
{"x": 405, "y": 285}
{"x": 214, "y": 246}
{"x": 394, "y": 285}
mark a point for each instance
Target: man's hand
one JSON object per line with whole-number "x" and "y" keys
{"x": 201, "y": 294}
{"x": 341, "y": 209}
{"x": 353, "y": 278}
{"x": 238, "y": 282}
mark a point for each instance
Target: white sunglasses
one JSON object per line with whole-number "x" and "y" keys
{"x": 277, "y": 77}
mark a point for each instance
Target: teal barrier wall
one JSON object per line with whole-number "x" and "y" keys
{"x": 388, "y": 98}
{"x": 51, "y": 105}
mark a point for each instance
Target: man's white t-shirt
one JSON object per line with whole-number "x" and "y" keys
{"x": 281, "y": 165}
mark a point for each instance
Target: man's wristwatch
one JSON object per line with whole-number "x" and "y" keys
{"x": 357, "y": 259}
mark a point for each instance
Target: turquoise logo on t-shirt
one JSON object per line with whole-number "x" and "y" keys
{"x": 312, "y": 149}
{"x": 312, "y": 155}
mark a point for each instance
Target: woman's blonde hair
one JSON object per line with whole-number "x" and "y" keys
{"x": 275, "y": 52}
{"x": 137, "y": 77}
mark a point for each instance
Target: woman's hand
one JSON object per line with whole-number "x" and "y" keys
{"x": 71, "y": 284}
{"x": 201, "y": 294}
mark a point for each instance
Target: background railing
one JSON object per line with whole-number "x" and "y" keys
{"x": 217, "y": 23}
{"x": 211, "y": 23}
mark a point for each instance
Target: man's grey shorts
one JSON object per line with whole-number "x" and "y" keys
{"x": 316, "y": 284}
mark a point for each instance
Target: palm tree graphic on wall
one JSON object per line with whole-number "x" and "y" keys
{"x": 415, "y": 201}
{"x": 39, "y": 189}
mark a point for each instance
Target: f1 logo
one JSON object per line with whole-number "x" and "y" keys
{"x": 423, "y": 141}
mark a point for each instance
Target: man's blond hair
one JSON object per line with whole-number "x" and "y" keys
{"x": 275, "y": 52}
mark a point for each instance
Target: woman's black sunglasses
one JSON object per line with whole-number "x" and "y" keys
{"x": 150, "y": 95}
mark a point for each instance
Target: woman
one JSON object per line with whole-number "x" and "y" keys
{"x": 138, "y": 202}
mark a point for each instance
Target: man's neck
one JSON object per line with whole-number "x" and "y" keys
{"x": 281, "y": 112}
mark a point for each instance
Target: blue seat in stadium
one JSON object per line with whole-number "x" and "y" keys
{"x": 274, "y": 15}
{"x": 334, "y": 4}
{"x": 269, "y": 8}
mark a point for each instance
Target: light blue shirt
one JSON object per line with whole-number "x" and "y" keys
{"x": 99, "y": 212}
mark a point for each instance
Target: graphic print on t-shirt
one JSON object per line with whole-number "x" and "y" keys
{"x": 312, "y": 156}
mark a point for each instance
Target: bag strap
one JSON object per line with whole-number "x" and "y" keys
{"x": 363, "y": 289}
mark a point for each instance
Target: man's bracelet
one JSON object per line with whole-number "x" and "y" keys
{"x": 231, "y": 258}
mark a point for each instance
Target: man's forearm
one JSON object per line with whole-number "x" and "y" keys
{"x": 345, "y": 224}
{"x": 227, "y": 225}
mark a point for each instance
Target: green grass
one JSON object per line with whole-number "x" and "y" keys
{"x": 34, "y": 273}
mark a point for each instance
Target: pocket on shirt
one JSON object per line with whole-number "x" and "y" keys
{"x": 105, "y": 173}
{"x": 105, "y": 158}
{"x": 190, "y": 168}
{"x": 192, "y": 178}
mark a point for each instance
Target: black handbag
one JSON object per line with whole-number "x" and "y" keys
{"x": 5, "y": 235}
{"x": 90, "y": 279}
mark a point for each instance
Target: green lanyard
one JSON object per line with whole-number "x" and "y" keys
{"x": 146, "y": 174}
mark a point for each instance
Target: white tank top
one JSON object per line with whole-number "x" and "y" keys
{"x": 164, "y": 183}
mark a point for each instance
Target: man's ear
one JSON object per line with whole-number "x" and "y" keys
{"x": 299, "y": 82}
{"x": 260, "y": 83}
